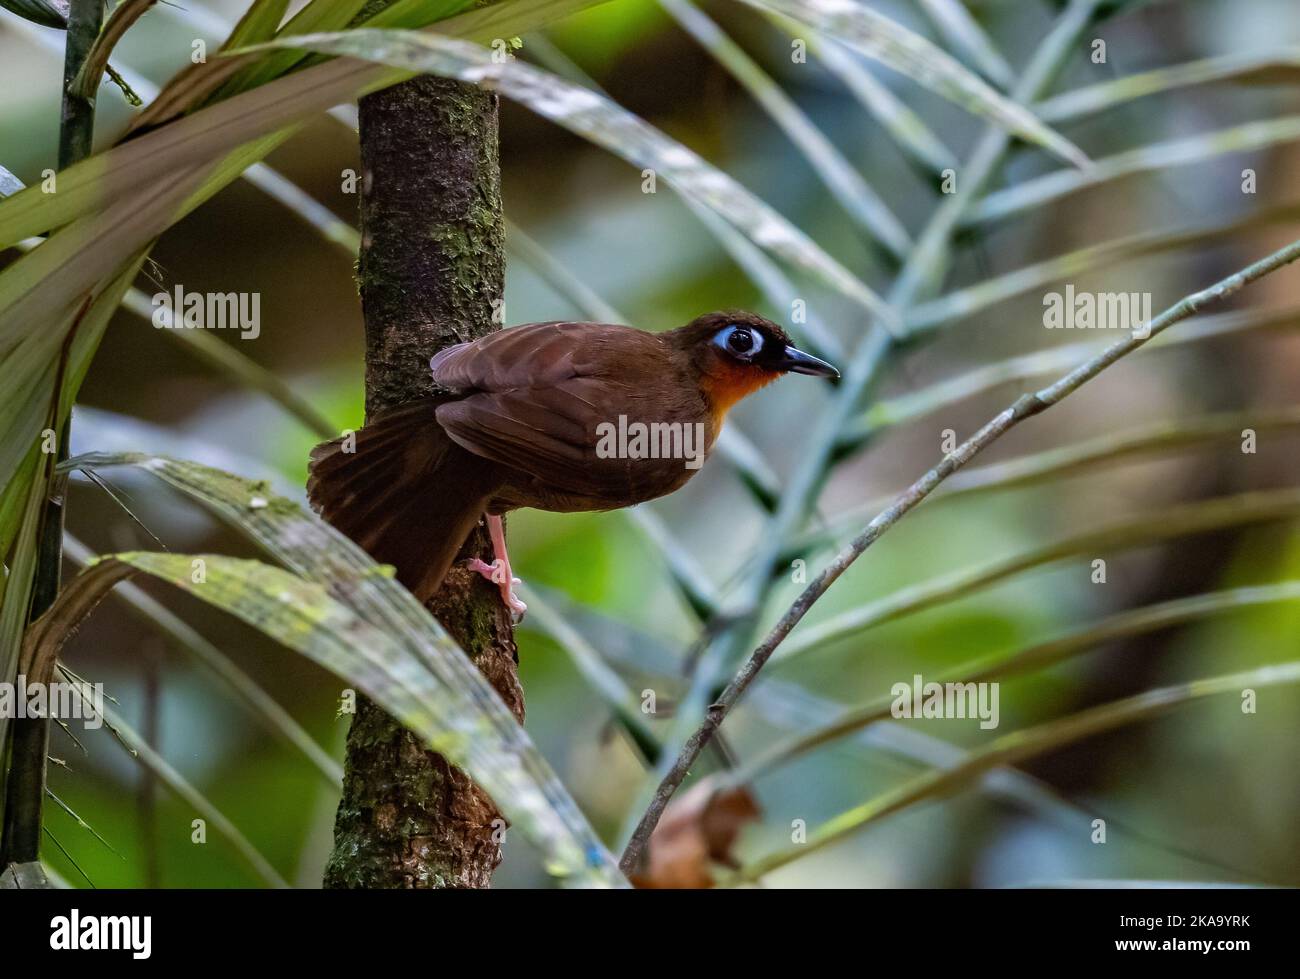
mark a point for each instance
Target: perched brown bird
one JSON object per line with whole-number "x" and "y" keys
{"x": 555, "y": 416}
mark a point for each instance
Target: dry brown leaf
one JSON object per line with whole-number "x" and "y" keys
{"x": 697, "y": 831}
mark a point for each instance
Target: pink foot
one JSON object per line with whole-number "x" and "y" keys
{"x": 498, "y": 572}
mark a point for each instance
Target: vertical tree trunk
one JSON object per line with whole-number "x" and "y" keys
{"x": 431, "y": 272}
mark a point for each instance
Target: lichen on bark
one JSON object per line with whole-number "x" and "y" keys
{"x": 431, "y": 272}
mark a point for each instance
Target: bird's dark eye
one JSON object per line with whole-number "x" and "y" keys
{"x": 739, "y": 341}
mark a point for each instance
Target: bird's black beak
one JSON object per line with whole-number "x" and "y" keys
{"x": 797, "y": 362}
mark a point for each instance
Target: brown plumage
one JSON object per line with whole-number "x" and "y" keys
{"x": 520, "y": 425}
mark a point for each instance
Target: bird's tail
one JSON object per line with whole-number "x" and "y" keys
{"x": 403, "y": 491}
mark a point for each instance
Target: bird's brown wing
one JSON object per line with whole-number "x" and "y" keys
{"x": 545, "y": 435}
{"x": 539, "y": 354}
{"x": 535, "y": 398}
{"x": 403, "y": 491}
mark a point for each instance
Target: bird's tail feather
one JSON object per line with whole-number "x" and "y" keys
{"x": 403, "y": 491}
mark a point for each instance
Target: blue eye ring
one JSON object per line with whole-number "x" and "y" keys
{"x": 742, "y": 342}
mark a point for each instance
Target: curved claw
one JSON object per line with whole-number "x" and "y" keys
{"x": 489, "y": 571}
{"x": 496, "y": 573}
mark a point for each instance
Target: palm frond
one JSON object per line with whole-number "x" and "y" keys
{"x": 337, "y": 607}
{"x": 1019, "y": 746}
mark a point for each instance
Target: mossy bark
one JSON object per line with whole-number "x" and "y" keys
{"x": 431, "y": 273}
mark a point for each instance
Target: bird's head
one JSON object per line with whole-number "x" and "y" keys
{"x": 736, "y": 353}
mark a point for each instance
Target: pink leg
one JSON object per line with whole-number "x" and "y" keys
{"x": 498, "y": 572}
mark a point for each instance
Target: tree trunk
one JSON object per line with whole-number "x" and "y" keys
{"x": 431, "y": 273}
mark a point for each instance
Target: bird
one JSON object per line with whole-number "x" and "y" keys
{"x": 557, "y": 416}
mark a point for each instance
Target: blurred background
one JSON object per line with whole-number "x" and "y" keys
{"x": 1206, "y": 793}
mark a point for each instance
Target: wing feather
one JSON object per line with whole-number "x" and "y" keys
{"x": 534, "y": 398}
